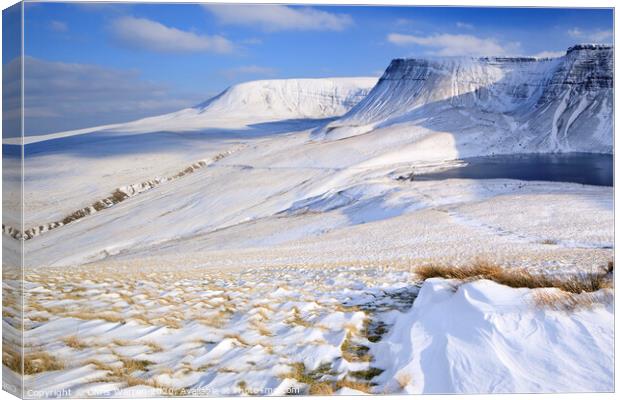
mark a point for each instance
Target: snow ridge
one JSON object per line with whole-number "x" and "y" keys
{"x": 540, "y": 99}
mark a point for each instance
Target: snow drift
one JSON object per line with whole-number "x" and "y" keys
{"x": 488, "y": 338}
{"x": 525, "y": 104}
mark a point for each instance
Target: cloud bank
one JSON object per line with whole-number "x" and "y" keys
{"x": 455, "y": 45}
{"x": 62, "y": 96}
{"x": 279, "y": 17}
{"x": 150, "y": 35}
{"x": 596, "y": 36}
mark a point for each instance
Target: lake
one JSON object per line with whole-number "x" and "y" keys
{"x": 589, "y": 169}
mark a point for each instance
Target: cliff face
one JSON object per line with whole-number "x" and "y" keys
{"x": 585, "y": 68}
{"x": 561, "y": 104}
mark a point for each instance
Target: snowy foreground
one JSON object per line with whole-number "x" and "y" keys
{"x": 128, "y": 332}
{"x": 264, "y": 243}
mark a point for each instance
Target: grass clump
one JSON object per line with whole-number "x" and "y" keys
{"x": 366, "y": 374}
{"x": 355, "y": 385}
{"x": 132, "y": 365}
{"x": 315, "y": 380}
{"x": 562, "y": 301}
{"x": 374, "y": 330}
{"x": 91, "y": 315}
{"x": 74, "y": 342}
{"x": 403, "y": 380}
{"x": 354, "y": 352}
{"x": 296, "y": 319}
{"x": 32, "y": 363}
{"x": 517, "y": 278}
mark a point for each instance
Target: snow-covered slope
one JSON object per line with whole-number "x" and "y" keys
{"x": 263, "y": 101}
{"x": 520, "y": 104}
{"x": 482, "y": 337}
{"x": 249, "y": 103}
{"x": 289, "y": 98}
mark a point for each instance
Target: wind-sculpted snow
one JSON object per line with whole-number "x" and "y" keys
{"x": 519, "y": 104}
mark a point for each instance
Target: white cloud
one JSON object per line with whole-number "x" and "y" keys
{"x": 58, "y": 26}
{"x": 404, "y": 21}
{"x": 150, "y": 35}
{"x": 456, "y": 45}
{"x": 575, "y": 32}
{"x": 251, "y": 70}
{"x": 601, "y": 36}
{"x": 464, "y": 25}
{"x": 252, "y": 41}
{"x": 279, "y": 17}
{"x": 62, "y": 96}
{"x": 549, "y": 54}
{"x": 597, "y": 36}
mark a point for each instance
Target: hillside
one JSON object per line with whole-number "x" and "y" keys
{"x": 493, "y": 105}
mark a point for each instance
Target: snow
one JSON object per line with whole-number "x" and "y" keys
{"x": 243, "y": 105}
{"x": 481, "y": 337}
{"x": 293, "y": 239}
{"x": 486, "y": 103}
{"x": 446, "y": 336}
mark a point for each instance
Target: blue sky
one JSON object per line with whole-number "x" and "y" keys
{"x": 123, "y": 61}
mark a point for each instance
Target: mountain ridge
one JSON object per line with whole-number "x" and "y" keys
{"x": 546, "y": 103}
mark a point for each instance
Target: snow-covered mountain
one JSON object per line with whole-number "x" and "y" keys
{"x": 517, "y": 104}
{"x": 289, "y": 247}
{"x": 422, "y": 115}
{"x": 249, "y": 103}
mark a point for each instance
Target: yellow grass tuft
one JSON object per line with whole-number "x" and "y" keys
{"x": 33, "y": 363}
{"x": 74, "y": 342}
{"x": 404, "y": 380}
{"x": 516, "y": 278}
{"x": 315, "y": 380}
{"x": 354, "y": 352}
{"x": 296, "y": 319}
{"x": 89, "y": 315}
{"x": 563, "y": 301}
{"x": 360, "y": 386}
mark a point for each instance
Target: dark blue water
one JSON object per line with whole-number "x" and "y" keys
{"x": 589, "y": 169}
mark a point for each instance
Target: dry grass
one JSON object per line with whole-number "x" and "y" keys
{"x": 33, "y": 363}
{"x": 215, "y": 321}
{"x": 403, "y": 380}
{"x": 154, "y": 347}
{"x": 88, "y": 315}
{"x": 563, "y": 301}
{"x": 131, "y": 365}
{"x": 121, "y": 374}
{"x": 261, "y": 329}
{"x": 315, "y": 380}
{"x": 74, "y": 342}
{"x": 238, "y": 340}
{"x": 296, "y": 319}
{"x": 354, "y": 352}
{"x": 38, "y": 318}
{"x": 360, "y": 386}
{"x": 517, "y": 278}
{"x": 366, "y": 374}
{"x": 11, "y": 359}
{"x": 321, "y": 389}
